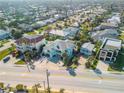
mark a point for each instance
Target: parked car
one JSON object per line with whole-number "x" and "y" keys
{"x": 5, "y": 60}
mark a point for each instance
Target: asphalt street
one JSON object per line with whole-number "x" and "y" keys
{"x": 81, "y": 81}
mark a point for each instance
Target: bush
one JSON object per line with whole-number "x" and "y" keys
{"x": 94, "y": 65}
{"x": 88, "y": 65}
{"x": 1, "y": 85}
{"x": 62, "y": 90}
{"x": 19, "y": 87}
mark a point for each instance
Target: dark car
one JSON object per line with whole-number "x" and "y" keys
{"x": 5, "y": 60}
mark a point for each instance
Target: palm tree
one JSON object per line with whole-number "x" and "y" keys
{"x": 34, "y": 53}
{"x": 65, "y": 58}
{"x": 27, "y": 56}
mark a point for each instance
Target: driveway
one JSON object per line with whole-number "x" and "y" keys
{"x": 102, "y": 66}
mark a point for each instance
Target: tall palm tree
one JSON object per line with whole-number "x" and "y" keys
{"x": 65, "y": 58}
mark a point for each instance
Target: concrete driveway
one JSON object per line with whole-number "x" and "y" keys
{"x": 102, "y": 66}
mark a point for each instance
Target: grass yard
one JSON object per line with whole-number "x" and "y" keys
{"x": 119, "y": 64}
{"x": 41, "y": 91}
{"x": 31, "y": 33}
{"x": 20, "y": 62}
{"x": 121, "y": 36}
{"x": 6, "y": 52}
{"x": 4, "y": 41}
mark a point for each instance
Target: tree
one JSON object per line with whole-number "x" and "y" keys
{"x": 19, "y": 87}
{"x": 2, "y": 23}
{"x": 61, "y": 90}
{"x": 78, "y": 46}
{"x": 41, "y": 48}
{"x": 75, "y": 60}
{"x": 88, "y": 65}
{"x": 34, "y": 53}
{"x": 65, "y": 58}
{"x": 1, "y": 85}
{"x": 27, "y": 56}
{"x": 16, "y": 34}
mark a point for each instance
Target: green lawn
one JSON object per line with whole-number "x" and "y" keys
{"x": 119, "y": 64}
{"x": 31, "y": 33}
{"x": 6, "y": 52}
{"x": 20, "y": 62}
{"x": 2, "y": 42}
{"x": 121, "y": 36}
{"x": 41, "y": 91}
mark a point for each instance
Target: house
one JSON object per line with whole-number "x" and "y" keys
{"x": 50, "y": 20}
{"x": 87, "y": 48}
{"x": 58, "y": 33}
{"x": 30, "y": 42}
{"x": 76, "y": 24}
{"x": 1, "y": 14}
{"x": 4, "y": 34}
{"x": 72, "y": 31}
{"x": 55, "y": 49}
{"x": 108, "y": 26}
{"x": 66, "y": 33}
{"x": 25, "y": 27}
{"x": 109, "y": 49}
{"x": 39, "y": 24}
{"x": 102, "y": 34}
{"x": 114, "y": 20}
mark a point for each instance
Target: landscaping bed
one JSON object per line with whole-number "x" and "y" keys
{"x": 119, "y": 63}
{"x": 20, "y": 62}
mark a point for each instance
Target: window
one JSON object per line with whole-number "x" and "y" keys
{"x": 109, "y": 54}
{"x": 101, "y": 58}
{"x": 103, "y": 53}
{"x": 108, "y": 59}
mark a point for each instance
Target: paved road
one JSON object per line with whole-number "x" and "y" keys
{"x": 84, "y": 81}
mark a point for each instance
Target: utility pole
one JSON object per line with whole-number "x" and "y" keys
{"x": 26, "y": 63}
{"x": 28, "y": 67}
{"x": 44, "y": 86}
{"x": 47, "y": 74}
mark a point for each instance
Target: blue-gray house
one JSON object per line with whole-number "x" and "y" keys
{"x": 55, "y": 49}
{"x": 4, "y": 34}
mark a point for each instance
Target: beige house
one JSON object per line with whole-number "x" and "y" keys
{"x": 29, "y": 42}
